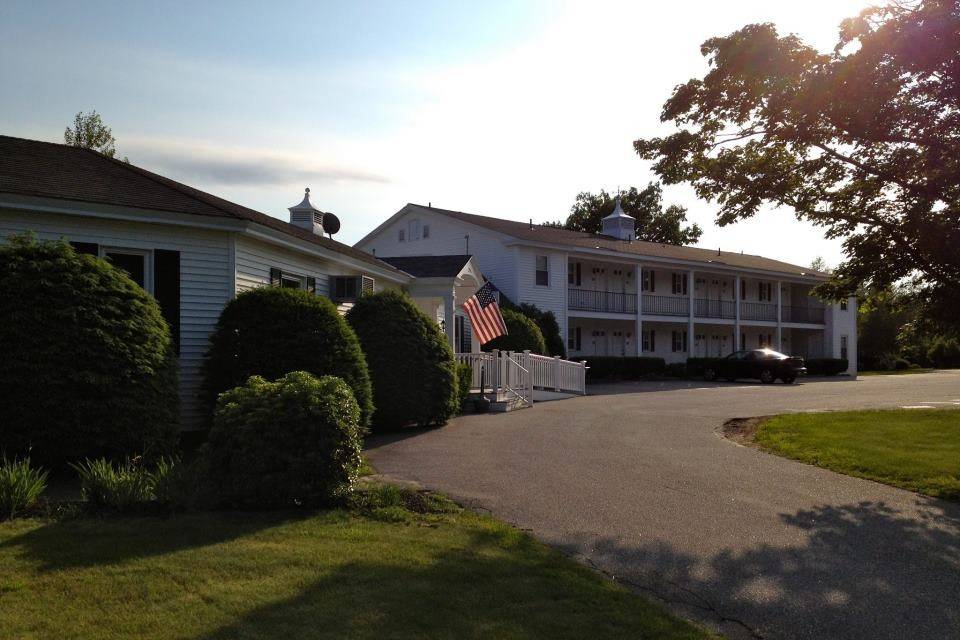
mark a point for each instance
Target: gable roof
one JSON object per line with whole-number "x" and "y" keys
{"x": 581, "y": 240}
{"x": 50, "y": 170}
{"x": 430, "y": 266}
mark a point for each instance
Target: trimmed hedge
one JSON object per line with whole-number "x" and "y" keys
{"x": 271, "y": 331}
{"x": 523, "y": 334}
{"x": 87, "y": 366}
{"x": 826, "y": 366}
{"x": 464, "y": 381}
{"x": 290, "y": 443}
{"x": 411, "y": 363}
{"x": 622, "y": 368}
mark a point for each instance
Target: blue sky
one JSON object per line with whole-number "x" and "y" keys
{"x": 501, "y": 108}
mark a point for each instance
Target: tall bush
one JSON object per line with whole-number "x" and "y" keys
{"x": 546, "y": 321}
{"x": 293, "y": 442}
{"x": 522, "y": 334}
{"x": 271, "y": 331}
{"x": 87, "y": 366}
{"x": 944, "y": 352}
{"x": 411, "y": 363}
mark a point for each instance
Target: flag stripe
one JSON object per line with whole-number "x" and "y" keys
{"x": 484, "y": 314}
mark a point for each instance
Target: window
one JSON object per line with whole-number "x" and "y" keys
{"x": 679, "y": 341}
{"x": 402, "y": 235}
{"x": 843, "y": 347}
{"x": 463, "y": 333}
{"x": 573, "y": 273}
{"x": 414, "y": 229}
{"x": 648, "y": 340}
{"x": 765, "y": 341}
{"x": 764, "y": 291}
{"x": 680, "y": 284}
{"x": 543, "y": 271}
{"x": 287, "y": 280}
{"x": 573, "y": 338}
{"x": 134, "y": 263}
{"x": 649, "y": 281}
{"x": 426, "y": 231}
{"x": 843, "y": 305}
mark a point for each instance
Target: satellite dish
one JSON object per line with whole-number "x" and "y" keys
{"x": 331, "y": 224}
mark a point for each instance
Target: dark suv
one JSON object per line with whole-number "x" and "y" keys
{"x": 764, "y": 364}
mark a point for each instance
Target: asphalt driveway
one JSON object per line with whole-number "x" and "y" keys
{"x": 636, "y": 481}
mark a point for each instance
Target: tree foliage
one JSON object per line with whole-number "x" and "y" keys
{"x": 654, "y": 223}
{"x": 863, "y": 141}
{"x": 522, "y": 334}
{"x": 90, "y": 132}
{"x": 546, "y": 321}
{"x": 411, "y": 363}
{"x": 87, "y": 366}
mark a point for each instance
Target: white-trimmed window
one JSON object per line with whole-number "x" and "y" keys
{"x": 843, "y": 305}
{"x": 288, "y": 280}
{"x": 413, "y": 228}
{"x": 648, "y": 278}
{"x": 426, "y": 231}
{"x": 765, "y": 291}
{"x": 648, "y": 339}
{"x": 543, "y": 271}
{"x": 402, "y": 235}
{"x": 135, "y": 263}
{"x": 680, "y": 284}
{"x": 678, "y": 341}
{"x": 574, "y": 335}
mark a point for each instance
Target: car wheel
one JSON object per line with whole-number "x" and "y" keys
{"x": 789, "y": 379}
{"x": 767, "y": 377}
{"x": 709, "y": 374}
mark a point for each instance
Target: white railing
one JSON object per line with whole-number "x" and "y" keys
{"x": 529, "y": 371}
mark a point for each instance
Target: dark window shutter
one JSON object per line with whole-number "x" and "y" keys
{"x": 166, "y": 289}
{"x": 578, "y": 274}
{"x": 653, "y": 339}
{"x": 275, "y": 276}
{"x": 89, "y": 248}
{"x": 311, "y": 284}
{"x": 653, "y": 281}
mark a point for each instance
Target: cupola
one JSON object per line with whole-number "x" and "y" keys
{"x": 618, "y": 224}
{"x": 306, "y": 216}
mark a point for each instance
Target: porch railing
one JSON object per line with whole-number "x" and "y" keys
{"x": 666, "y": 305}
{"x": 519, "y": 373}
{"x": 705, "y": 308}
{"x": 758, "y": 311}
{"x": 812, "y": 315}
{"x": 607, "y": 301}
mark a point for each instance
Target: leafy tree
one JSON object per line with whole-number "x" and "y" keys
{"x": 89, "y": 132}
{"x": 819, "y": 264}
{"x": 522, "y": 334}
{"x": 863, "y": 141}
{"x": 654, "y": 223}
{"x": 546, "y": 321}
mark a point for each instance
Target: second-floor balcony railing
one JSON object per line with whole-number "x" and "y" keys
{"x": 758, "y": 311}
{"x": 666, "y": 305}
{"x": 813, "y": 315}
{"x": 704, "y": 308}
{"x": 606, "y": 301}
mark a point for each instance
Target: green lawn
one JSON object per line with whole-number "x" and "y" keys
{"x": 895, "y": 372}
{"x": 376, "y": 573}
{"x": 916, "y": 449}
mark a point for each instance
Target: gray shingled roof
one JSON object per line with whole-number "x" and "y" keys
{"x": 577, "y": 239}
{"x": 430, "y": 266}
{"x": 49, "y": 170}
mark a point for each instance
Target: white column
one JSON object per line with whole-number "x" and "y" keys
{"x": 736, "y": 323}
{"x": 779, "y": 316}
{"x": 638, "y": 276}
{"x": 449, "y": 326}
{"x": 690, "y": 336}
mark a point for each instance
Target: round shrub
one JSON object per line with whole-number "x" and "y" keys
{"x": 411, "y": 362}
{"x": 293, "y": 442}
{"x": 523, "y": 334}
{"x": 272, "y": 331}
{"x": 87, "y": 366}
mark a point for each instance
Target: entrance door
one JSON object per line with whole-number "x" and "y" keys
{"x": 700, "y": 345}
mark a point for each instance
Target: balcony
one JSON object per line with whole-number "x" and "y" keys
{"x": 758, "y": 311}
{"x": 666, "y": 305}
{"x": 811, "y": 315}
{"x": 604, "y": 301}
{"x": 704, "y": 308}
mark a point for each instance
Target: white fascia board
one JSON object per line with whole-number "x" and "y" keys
{"x": 503, "y": 237}
{"x": 678, "y": 262}
{"x": 112, "y": 212}
{"x": 266, "y": 234}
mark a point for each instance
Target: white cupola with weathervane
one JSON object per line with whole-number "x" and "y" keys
{"x": 618, "y": 224}
{"x": 306, "y": 216}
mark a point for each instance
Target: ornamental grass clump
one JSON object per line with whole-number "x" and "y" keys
{"x": 20, "y": 486}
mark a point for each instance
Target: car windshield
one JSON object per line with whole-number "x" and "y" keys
{"x": 770, "y": 354}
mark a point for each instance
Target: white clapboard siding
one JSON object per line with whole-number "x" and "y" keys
{"x": 256, "y": 258}
{"x": 205, "y": 276}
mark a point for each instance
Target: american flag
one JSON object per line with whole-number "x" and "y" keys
{"x": 484, "y": 313}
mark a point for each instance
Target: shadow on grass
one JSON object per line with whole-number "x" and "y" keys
{"x": 861, "y": 570}
{"x": 80, "y": 542}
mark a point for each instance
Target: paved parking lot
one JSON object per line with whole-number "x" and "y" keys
{"x": 635, "y": 480}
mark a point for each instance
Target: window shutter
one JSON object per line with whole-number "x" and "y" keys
{"x": 166, "y": 289}
{"x": 366, "y": 286}
{"x": 89, "y": 248}
{"x": 311, "y": 284}
{"x": 653, "y": 281}
{"x": 275, "y": 277}
{"x": 653, "y": 339}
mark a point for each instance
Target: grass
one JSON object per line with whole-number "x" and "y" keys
{"x": 915, "y": 449}
{"x": 398, "y": 564}
{"x": 895, "y": 372}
